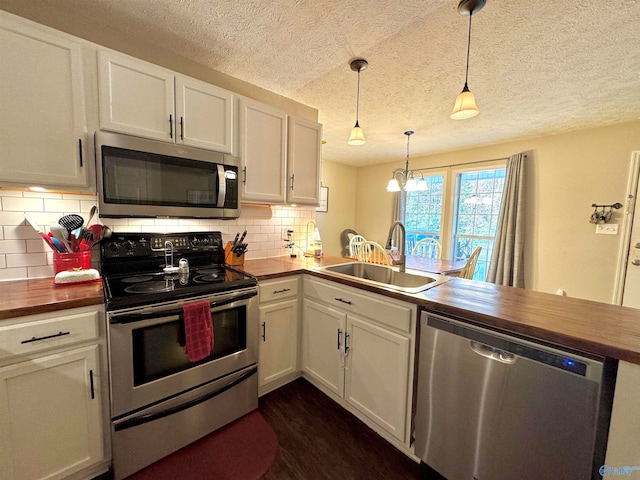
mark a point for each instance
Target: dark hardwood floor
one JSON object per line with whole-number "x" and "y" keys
{"x": 321, "y": 440}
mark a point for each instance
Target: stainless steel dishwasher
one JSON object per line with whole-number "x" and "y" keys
{"x": 494, "y": 407}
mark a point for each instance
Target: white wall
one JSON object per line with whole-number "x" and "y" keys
{"x": 341, "y": 213}
{"x": 566, "y": 173}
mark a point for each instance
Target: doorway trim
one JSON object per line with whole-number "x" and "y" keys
{"x": 627, "y": 223}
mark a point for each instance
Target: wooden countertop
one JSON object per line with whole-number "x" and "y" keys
{"x": 40, "y": 295}
{"x": 597, "y": 328}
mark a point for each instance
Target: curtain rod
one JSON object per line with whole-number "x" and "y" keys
{"x": 456, "y": 165}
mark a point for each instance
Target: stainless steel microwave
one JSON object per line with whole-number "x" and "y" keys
{"x": 137, "y": 177}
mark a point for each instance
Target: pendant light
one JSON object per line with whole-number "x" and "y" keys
{"x": 465, "y": 106}
{"x": 409, "y": 182}
{"x": 357, "y": 134}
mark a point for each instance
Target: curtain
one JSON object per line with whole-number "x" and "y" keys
{"x": 507, "y": 263}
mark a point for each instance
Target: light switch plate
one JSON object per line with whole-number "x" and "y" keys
{"x": 607, "y": 229}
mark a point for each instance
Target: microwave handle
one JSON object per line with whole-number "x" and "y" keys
{"x": 222, "y": 186}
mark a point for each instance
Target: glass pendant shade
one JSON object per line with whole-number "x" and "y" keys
{"x": 422, "y": 185}
{"x": 465, "y": 106}
{"x": 393, "y": 185}
{"x": 357, "y": 136}
{"x": 411, "y": 185}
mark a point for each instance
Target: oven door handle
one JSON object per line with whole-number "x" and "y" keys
{"x": 150, "y": 417}
{"x": 153, "y": 313}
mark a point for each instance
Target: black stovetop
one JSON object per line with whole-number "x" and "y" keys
{"x": 133, "y": 268}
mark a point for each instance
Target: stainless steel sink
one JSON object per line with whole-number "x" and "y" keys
{"x": 386, "y": 276}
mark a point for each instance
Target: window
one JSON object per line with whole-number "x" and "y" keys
{"x": 461, "y": 220}
{"x": 423, "y": 212}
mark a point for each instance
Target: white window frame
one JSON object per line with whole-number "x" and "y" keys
{"x": 449, "y": 191}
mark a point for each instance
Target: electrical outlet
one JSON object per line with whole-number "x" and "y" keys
{"x": 607, "y": 229}
{"x": 287, "y": 234}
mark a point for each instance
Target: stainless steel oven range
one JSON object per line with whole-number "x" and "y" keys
{"x": 160, "y": 400}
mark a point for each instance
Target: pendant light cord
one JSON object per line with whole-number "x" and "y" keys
{"x": 466, "y": 75}
{"x": 358, "y": 99}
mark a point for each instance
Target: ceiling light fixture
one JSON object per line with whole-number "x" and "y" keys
{"x": 465, "y": 106}
{"x": 409, "y": 183}
{"x": 357, "y": 134}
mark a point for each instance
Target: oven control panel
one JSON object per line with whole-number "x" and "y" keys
{"x": 123, "y": 245}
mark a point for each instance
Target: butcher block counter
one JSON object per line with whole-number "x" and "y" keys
{"x": 596, "y": 328}
{"x": 39, "y": 295}
{"x": 592, "y": 327}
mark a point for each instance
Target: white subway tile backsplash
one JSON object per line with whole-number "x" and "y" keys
{"x": 11, "y": 218}
{"x": 20, "y": 232}
{"x": 23, "y": 254}
{"x": 38, "y": 245}
{"x": 20, "y": 204}
{"x": 62, "y": 206}
{"x": 13, "y": 246}
{"x": 13, "y": 274}
{"x": 26, "y": 259}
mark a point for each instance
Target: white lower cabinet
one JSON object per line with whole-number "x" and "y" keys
{"x": 278, "y": 343}
{"x": 51, "y": 404}
{"x": 358, "y": 346}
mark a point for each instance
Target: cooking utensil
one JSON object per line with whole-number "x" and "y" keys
{"x": 106, "y": 232}
{"x": 59, "y": 232}
{"x": 92, "y": 235}
{"x": 37, "y": 228}
{"x": 92, "y": 212}
{"x": 71, "y": 222}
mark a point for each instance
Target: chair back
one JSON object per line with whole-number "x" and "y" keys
{"x": 373, "y": 252}
{"x": 427, "y": 247}
{"x": 354, "y": 243}
{"x": 470, "y": 267}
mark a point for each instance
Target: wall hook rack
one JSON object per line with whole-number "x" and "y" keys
{"x": 603, "y": 215}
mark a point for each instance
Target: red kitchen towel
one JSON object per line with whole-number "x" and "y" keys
{"x": 198, "y": 330}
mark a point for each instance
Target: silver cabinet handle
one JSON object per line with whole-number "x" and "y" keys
{"x": 281, "y": 291}
{"x": 635, "y": 262}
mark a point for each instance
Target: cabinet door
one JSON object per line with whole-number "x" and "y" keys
{"x": 377, "y": 379}
{"x": 303, "y": 163}
{"x": 204, "y": 115}
{"x": 263, "y": 152}
{"x": 135, "y": 97}
{"x": 50, "y": 416}
{"x": 278, "y": 341}
{"x": 323, "y": 331}
{"x": 43, "y": 121}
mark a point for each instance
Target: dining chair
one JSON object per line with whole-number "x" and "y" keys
{"x": 354, "y": 243}
{"x": 470, "y": 267}
{"x": 373, "y": 252}
{"x": 427, "y": 247}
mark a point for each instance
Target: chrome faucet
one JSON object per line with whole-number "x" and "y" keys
{"x": 402, "y": 261}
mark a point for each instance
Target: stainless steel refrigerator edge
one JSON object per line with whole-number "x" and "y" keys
{"x": 494, "y": 407}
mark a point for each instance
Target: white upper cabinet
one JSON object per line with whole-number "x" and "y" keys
{"x": 43, "y": 123}
{"x": 142, "y": 99}
{"x": 303, "y": 162}
{"x": 263, "y": 151}
{"x": 204, "y": 115}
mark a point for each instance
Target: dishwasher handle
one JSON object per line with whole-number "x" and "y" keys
{"x": 492, "y": 353}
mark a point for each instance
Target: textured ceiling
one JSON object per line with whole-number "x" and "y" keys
{"x": 537, "y": 66}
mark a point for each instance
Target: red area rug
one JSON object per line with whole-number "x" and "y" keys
{"x": 242, "y": 450}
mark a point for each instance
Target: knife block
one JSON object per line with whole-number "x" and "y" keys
{"x": 231, "y": 258}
